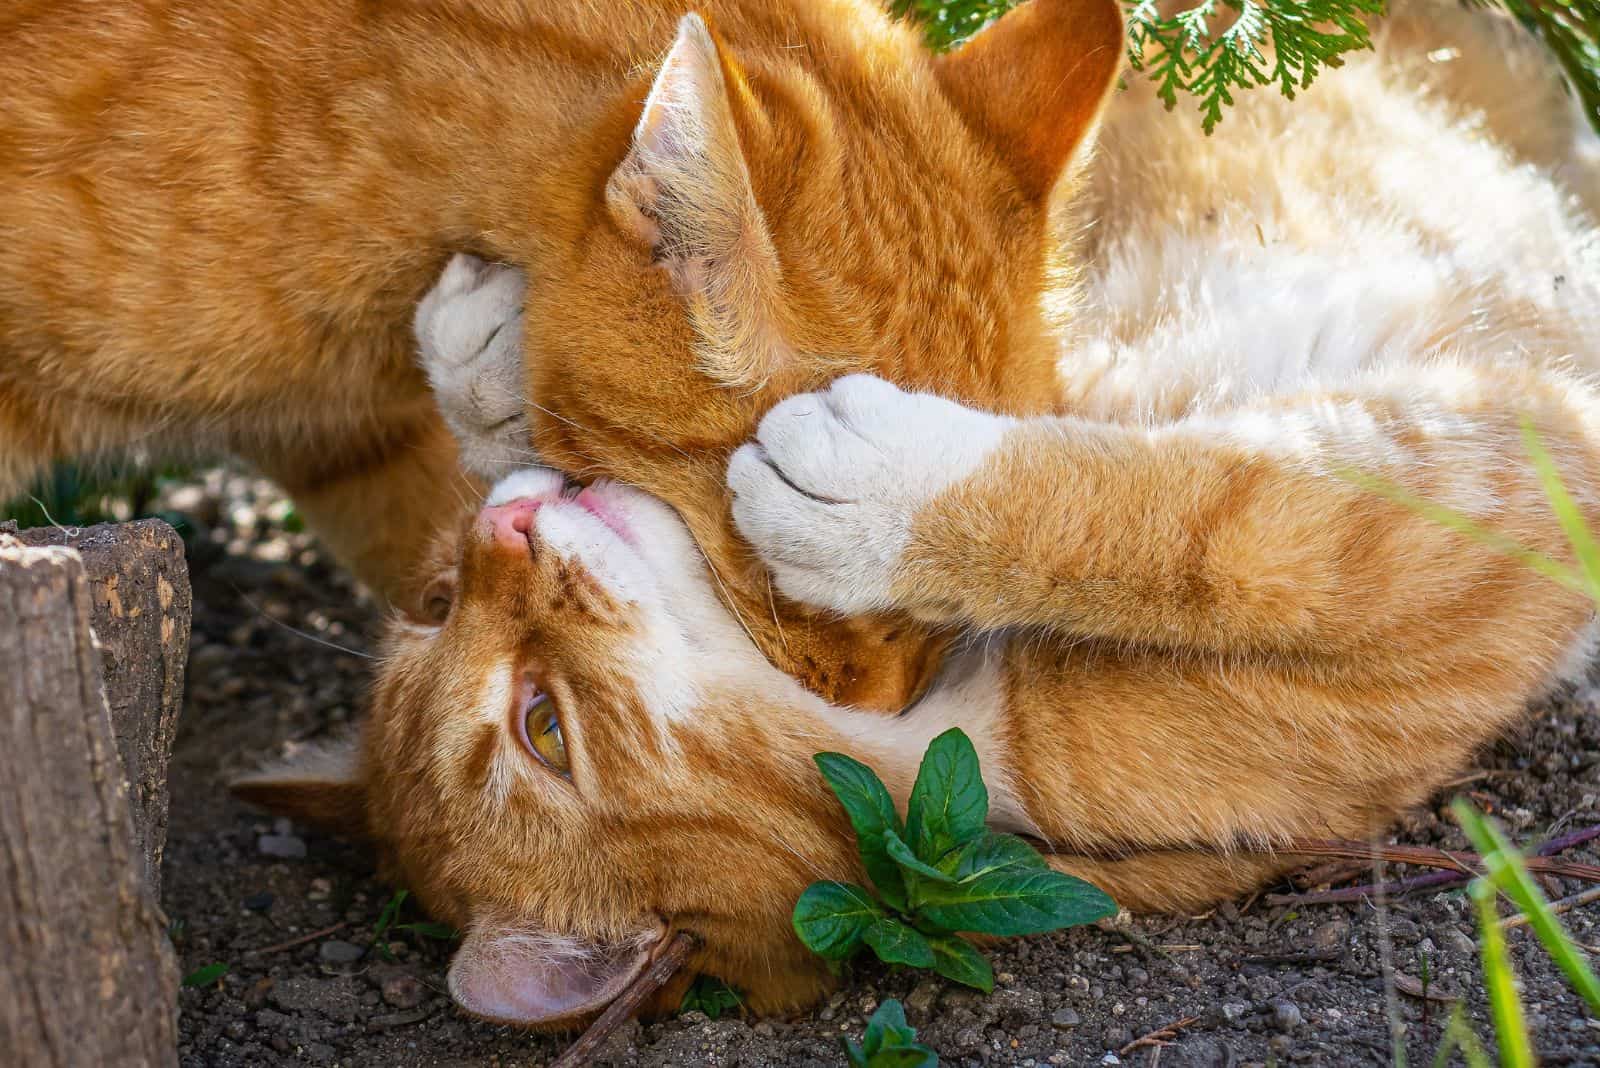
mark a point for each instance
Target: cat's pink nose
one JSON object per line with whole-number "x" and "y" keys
{"x": 508, "y": 524}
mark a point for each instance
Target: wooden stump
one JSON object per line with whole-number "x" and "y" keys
{"x": 139, "y": 587}
{"x": 87, "y": 975}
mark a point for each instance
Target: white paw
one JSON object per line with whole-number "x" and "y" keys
{"x": 469, "y": 343}
{"x": 828, "y": 491}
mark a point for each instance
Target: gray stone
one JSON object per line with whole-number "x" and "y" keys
{"x": 404, "y": 991}
{"x": 1331, "y": 935}
{"x": 282, "y": 846}
{"x": 1286, "y": 1015}
{"x": 335, "y": 951}
{"x": 1065, "y": 1019}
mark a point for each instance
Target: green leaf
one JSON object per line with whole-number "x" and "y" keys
{"x": 959, "y": 961}
{"x": 1505, "y": 1006}
{"x": 872, "y": 814}
{"x": 890, "y": 1042}
{"x": 887, "y": 1024}
{"x": 206, "y": 976}
{"x": 1510, "y": 874}
{"x": 949, "y": 802}
{"x": 908, "y": 861}
{"x": 709, "y": 995}
{"x": 1014, "y": 901}
{"x": 1565, "y": 508}
{"x": 997, "y": 852}
{"x": 831, "y": 918}
{"x": 440, "y": 931}
{"x": 895, "y": 943}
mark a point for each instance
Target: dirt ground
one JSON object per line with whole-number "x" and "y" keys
{"x": 282, "y": 640}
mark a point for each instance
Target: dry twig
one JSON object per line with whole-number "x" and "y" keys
{"x": 621, "y": 1010}
{"x": 1161, "y": 1036}
{"x": 278, "y": 947}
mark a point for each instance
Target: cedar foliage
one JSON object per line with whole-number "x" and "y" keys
{"x": 1216, "y": 48}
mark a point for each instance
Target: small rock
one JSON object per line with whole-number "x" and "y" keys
{"x": 1065, "y": 1019}
{"x": 282, "y": 846}
{"x": 320, "y": 889}
{"x": 334, "y": 951}
{"x": 1331, "y": 935}
{"x": 268, "y": 1020}
{"x": 259, "y": 902}
{"x": 1286, "y": 1015}
{"x": 404, "y": 991}
{"x": 1459, "y": 942}
{"x": 922, "y": 998}
{"x": 1116, "y": 1037}
{"x": 1404, "y": 930}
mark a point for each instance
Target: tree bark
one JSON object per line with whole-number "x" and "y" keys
{"x": 87, "y": 975}
{"x": 140, "y": 608}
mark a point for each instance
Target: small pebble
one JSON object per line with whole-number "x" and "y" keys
{"x": 404, "y": 991}
{"x": 259, "y": 902}
{"x": 1286, "y": 1015}
{"x": 282, "y": 846}
{"x": 1331, "y": 935}
{"x": 336, "y": 952}
{"x": 1065, "y": 1019}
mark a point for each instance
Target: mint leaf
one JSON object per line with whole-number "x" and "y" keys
{"x": 872, "y": 813}
{"x": 997, "y": 852}
{"x": 831, "y": 917}
{"x": 895, "y": 943}
{"x": 1013, "y": 901}
{"x": 889, "y": 1042}
{"x": 889, "y": 1025}
{"x": 959, "y": 961}
{"x": 903, "y": 856}
{"x": 212, "y": 972}
{"x": 949, "y": 802}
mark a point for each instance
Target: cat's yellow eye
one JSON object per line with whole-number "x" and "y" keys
{"x": 541, "y": 732}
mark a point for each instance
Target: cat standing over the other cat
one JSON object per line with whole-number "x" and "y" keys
{"x": 216, "y": 218}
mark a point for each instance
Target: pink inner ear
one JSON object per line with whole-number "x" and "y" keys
{"x": 528, "y": 976}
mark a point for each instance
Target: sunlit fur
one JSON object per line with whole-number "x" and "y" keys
{"x": 1189, "y": 632}
{"x": 216, "y": 217}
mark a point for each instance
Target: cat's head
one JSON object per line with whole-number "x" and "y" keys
{"x": 583, "y": 755}
{"x": 803, "y": 191}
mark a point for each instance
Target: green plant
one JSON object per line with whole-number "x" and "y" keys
{"x": 889, "y": 1042}
{"x": 939, "y": 873}
{"x": 1216, "y": 48}
{"x": 385, "y": 923}
{"x": 710, "y": 995}
{"x": 206, "y": 976}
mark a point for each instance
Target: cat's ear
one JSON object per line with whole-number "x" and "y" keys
{"x": 684, "y": 191}
{"x": 1035, "y": 84}
{"x": 522, "y": 975}
{"x": 319, "y": 786}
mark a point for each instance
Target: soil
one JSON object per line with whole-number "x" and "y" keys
{"x": 281, "y": 655}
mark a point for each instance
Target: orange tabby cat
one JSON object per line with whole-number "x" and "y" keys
{"x": 217, "y": 215}
{"x": 1189, "y": 631}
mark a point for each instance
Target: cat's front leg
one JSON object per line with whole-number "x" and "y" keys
{"x": 469, "y": 344}
{"x": 829, "y": 490}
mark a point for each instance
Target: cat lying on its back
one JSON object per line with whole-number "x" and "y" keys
{"x": 1189, "y": 632}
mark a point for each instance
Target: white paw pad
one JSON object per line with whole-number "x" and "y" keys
{"x": 828, "y": 491}
{"x": 469, "y": 343}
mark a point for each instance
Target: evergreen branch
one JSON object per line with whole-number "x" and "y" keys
{"x": 1216, "y": 48}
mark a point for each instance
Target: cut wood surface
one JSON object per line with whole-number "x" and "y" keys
{"x": 87, "y": 975}
{"x": 140, "y": 608}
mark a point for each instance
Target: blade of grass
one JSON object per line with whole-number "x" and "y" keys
{"x": 1505, "y": 867}
{"x": 1458, "y": 1036}
{"x": 1572, "y": 522}
{"x": 1510, "y": 1027}
{"x": 1448, "y": 517}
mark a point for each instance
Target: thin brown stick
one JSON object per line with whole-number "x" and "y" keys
{"x": 1428, "y": 857}
{"x": 1161, "y": 1036}
{"x": 278, "y": 947}
{"x": 621, "y": 1010}
{"x": 1566, "y": 904}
